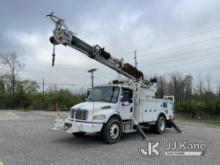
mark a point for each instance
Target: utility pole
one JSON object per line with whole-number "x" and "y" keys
{"x": 219, "y": 90}
{"x": 92, "y": 75}
{"x": 43, "y": 86}
{"x": 135, "y": 59}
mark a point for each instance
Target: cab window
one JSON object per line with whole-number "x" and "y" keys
{"x": 127, "y": 95}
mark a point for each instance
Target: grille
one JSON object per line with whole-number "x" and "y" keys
{"x": 79, "y": 114}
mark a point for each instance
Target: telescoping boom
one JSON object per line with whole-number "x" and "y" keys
{"x": 62, "y": 35}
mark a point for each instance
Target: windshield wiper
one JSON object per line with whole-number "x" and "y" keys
{"x": 103, "y": 100}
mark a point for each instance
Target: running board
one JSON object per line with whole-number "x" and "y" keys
{"x": 130, "y": 131}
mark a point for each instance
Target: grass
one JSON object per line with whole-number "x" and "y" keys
{"x": 182, "y": 117}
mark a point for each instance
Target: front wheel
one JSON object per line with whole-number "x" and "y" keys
{"x": 112, "y": 131}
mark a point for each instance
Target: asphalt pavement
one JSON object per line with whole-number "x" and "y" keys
{"x": 26, "y": 138}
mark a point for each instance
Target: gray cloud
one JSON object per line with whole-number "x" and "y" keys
{"x": 168, "y": 36}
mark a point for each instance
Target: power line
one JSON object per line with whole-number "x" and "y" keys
{"x": 192, "y": 43}
{"x": 177, "y": 57}
{"x": 41, "y": 83}
{"x": 52, "y": 73}
{"x": 190, "y": 61}
{"x": 194, "y": 35}
{"x": 176, "y": 66}
{"x": 175, "y": 41}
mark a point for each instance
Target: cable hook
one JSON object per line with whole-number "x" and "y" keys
{"x": 53, "y": 55}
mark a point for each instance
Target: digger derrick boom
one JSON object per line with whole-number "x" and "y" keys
{"x": 141, "y": 93}
{"x": 61, "y": 35}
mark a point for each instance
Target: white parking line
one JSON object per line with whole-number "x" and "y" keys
{"x": 1, "y": 163}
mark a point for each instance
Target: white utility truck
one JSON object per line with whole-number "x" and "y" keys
{"x": 119, "y": 107}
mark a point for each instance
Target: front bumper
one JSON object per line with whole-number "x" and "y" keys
{"x": 76, "y": 126}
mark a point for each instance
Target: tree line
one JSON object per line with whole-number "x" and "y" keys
{"x": 198, "y": 100}
{"x": 16, "y": 93}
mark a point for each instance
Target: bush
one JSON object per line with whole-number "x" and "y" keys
{"x": 199, "y": 109}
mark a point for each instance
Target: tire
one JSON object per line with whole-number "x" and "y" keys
{"x": 153, "y": 128}
{"x": 160, "y": 125}
{"x": 79, "y": 134}
{"x": 112, "y": 131}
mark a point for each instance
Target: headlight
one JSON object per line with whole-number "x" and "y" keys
{"x": 99, "y": 117}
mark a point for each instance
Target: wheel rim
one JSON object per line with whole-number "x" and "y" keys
{"x": 114, "y": 131}
{"x": 162, "y": 124}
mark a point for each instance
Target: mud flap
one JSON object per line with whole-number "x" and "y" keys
{"x": 59, "y": 124}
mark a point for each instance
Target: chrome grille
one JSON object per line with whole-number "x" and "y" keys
{"x": 79, "y": 114}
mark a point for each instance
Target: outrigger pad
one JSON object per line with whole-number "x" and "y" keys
{"x": 59, "y": 124}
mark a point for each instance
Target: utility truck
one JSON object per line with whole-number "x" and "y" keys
{"x": 117, "y": 108}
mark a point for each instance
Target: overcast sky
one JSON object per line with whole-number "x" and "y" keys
{"x": 169, "y": 36}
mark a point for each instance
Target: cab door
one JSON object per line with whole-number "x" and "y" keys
{"x": 126, "y": 104}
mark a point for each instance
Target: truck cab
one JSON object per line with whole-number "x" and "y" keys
{"x": 103, "y": 102}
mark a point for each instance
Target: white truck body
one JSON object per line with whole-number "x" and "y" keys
{"x": 90, "y": 116}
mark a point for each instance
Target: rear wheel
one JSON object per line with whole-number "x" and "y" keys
{"x": 112, "y": 131}
{"x": 78, "y": 134}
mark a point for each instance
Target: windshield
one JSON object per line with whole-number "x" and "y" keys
{"x": 104, "y": 94}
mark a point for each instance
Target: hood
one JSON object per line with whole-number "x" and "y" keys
{"x": 97, "y": 105}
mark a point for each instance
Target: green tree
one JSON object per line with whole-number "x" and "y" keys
{"x": 25, "y": 91}
{"x": 11, "y": 61}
